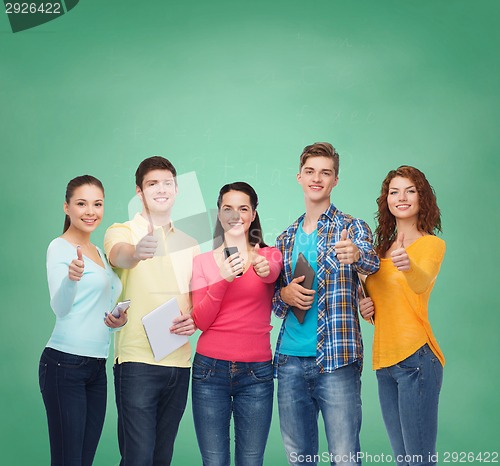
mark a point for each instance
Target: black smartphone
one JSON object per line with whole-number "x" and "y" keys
{"x": 229, "y": 251}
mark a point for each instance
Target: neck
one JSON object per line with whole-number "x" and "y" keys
{"x": 158, "y": 219}
{"x": 241, "y": 242}
{"x": 407, "y": 226}
{"x": 313, "y": 212}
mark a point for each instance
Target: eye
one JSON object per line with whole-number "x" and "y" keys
{"x": 80, "y": 204}
{"x": 326, "y": 173}
{"x": 98, "y": 204}
{"x": 392, "y": 193}
{"x": 411, "y": 191}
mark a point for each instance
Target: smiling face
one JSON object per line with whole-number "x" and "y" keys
{"x": 85, "y": 208}
{"x": 159, "y": 191}
{"x": 317, "y": 178}
{"x": 236, "y": 213}
{"x": 402, "y": 199}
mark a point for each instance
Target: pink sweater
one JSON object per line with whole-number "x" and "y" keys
{"x": 235, "y": 317}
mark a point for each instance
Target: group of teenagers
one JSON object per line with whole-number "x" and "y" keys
{"x": 229, "y": 296}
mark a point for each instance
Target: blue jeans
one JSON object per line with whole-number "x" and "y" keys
{"x": 150, "y": 401}
{"x": 303, "y": 391}
{"x": 245, "y": 390}
{"x": 74, "y": 393}
{"x": 409, "y": 395}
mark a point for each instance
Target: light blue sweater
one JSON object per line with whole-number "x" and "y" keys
{"x": 80, "y": 306}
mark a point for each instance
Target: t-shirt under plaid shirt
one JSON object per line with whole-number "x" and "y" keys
{"x": 339, "y": 340}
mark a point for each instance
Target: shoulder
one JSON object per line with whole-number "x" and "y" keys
{"x": 203, "y": 258}
{"x": 429, "y": 242}
{"x": 186, "y": 240}
{"x": 290, "y": 231}
{"x": 59, "y": 246}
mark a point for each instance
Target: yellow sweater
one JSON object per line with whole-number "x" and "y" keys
{"x": 401, "y": 298}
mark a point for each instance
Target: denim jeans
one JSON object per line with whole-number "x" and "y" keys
{"x": 409, "y": 395}
{"x": 303, "y": 391}
{"x": 150, "y": 401}
{"x": 74, "y": 393}
{"x": 245, "y": 390}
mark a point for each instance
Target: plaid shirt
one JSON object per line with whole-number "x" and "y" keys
{"x": 339, "y": 340}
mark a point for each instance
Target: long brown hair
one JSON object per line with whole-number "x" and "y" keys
{"x": 429, "y": 215}
{"x": 255, "y": 232}
{"x": 76, "y": 183}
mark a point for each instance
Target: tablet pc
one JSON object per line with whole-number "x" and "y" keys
{"x": 157, "y": 326}
{"x": 302, "y": 267}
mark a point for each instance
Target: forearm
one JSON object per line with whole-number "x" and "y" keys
{"x": 368, "y": 262}
{"x": 207, "y": 303}
{"x": 122, "y": 256}
{"x": 421, "y": 276}
{"x": 61, "y": 301}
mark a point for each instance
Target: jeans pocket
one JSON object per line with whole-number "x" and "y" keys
{"x": 282, "y": 359}
{"x": 262, "y": 372}
{"x": 411, "y": 363}
{"x": 438, "y": 372}
{"x": 42, "y": 375}
{"x": 200, "y": 372}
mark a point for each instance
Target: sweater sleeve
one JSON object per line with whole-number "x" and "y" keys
{"x": 207, "y": 293}
{"x": 425, "y": 263}
{"x": 62, "y": 290}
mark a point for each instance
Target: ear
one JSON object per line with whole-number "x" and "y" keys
{"x": 254, "y": 214}
{"x": 336, "y": 181}
{"x": 138, "y": 191}
{"x": 66, "y": 209}
{"x": 298, "y": 178}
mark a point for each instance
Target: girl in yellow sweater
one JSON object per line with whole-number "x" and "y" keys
{"x": 406, "y": 355}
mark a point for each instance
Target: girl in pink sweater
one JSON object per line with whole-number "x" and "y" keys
{"x": 232, "y": 370}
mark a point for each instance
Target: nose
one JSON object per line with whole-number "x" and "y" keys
{"x": 89, "y": 209}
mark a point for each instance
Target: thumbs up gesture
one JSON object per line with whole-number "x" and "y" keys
{"x": 399, "y": 256}
{"x": 345, "y": 250}
{"x": 76, "y": 268}
{"x": 259, "y": 263}
{"x": 146, "y": 247}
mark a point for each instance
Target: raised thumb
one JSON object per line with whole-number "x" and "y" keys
{"x": 79, "y": 254}
{"x": 343, "y": 235}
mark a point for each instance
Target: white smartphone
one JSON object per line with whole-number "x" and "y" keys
{"x": 120, "y": 307}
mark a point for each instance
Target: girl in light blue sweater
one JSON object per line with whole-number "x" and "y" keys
{"x": 83, "y": 290}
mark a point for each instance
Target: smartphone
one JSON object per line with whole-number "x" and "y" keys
{"x": 120, "y": 307}
{"x": 229, "y": 251}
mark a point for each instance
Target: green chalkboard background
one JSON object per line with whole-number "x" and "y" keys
{"x": 233, "y": 90}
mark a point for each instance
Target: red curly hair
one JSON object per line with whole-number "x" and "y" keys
{"x": 429, "y": 215}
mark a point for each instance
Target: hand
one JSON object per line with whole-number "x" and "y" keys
{"x": 77, "y": 266}
{"x": 367, "y": 309}
{"x": 146, "y": 247}
{"x": 232, "y": 267}
{"x": 183, "y": 325}
{"x": 399, "y": 256}
{"x": 259, "y": 263}
{"x": 296, "y": 295}
{"x": 345, "y": 250}
{"x": 115, "y": 322}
